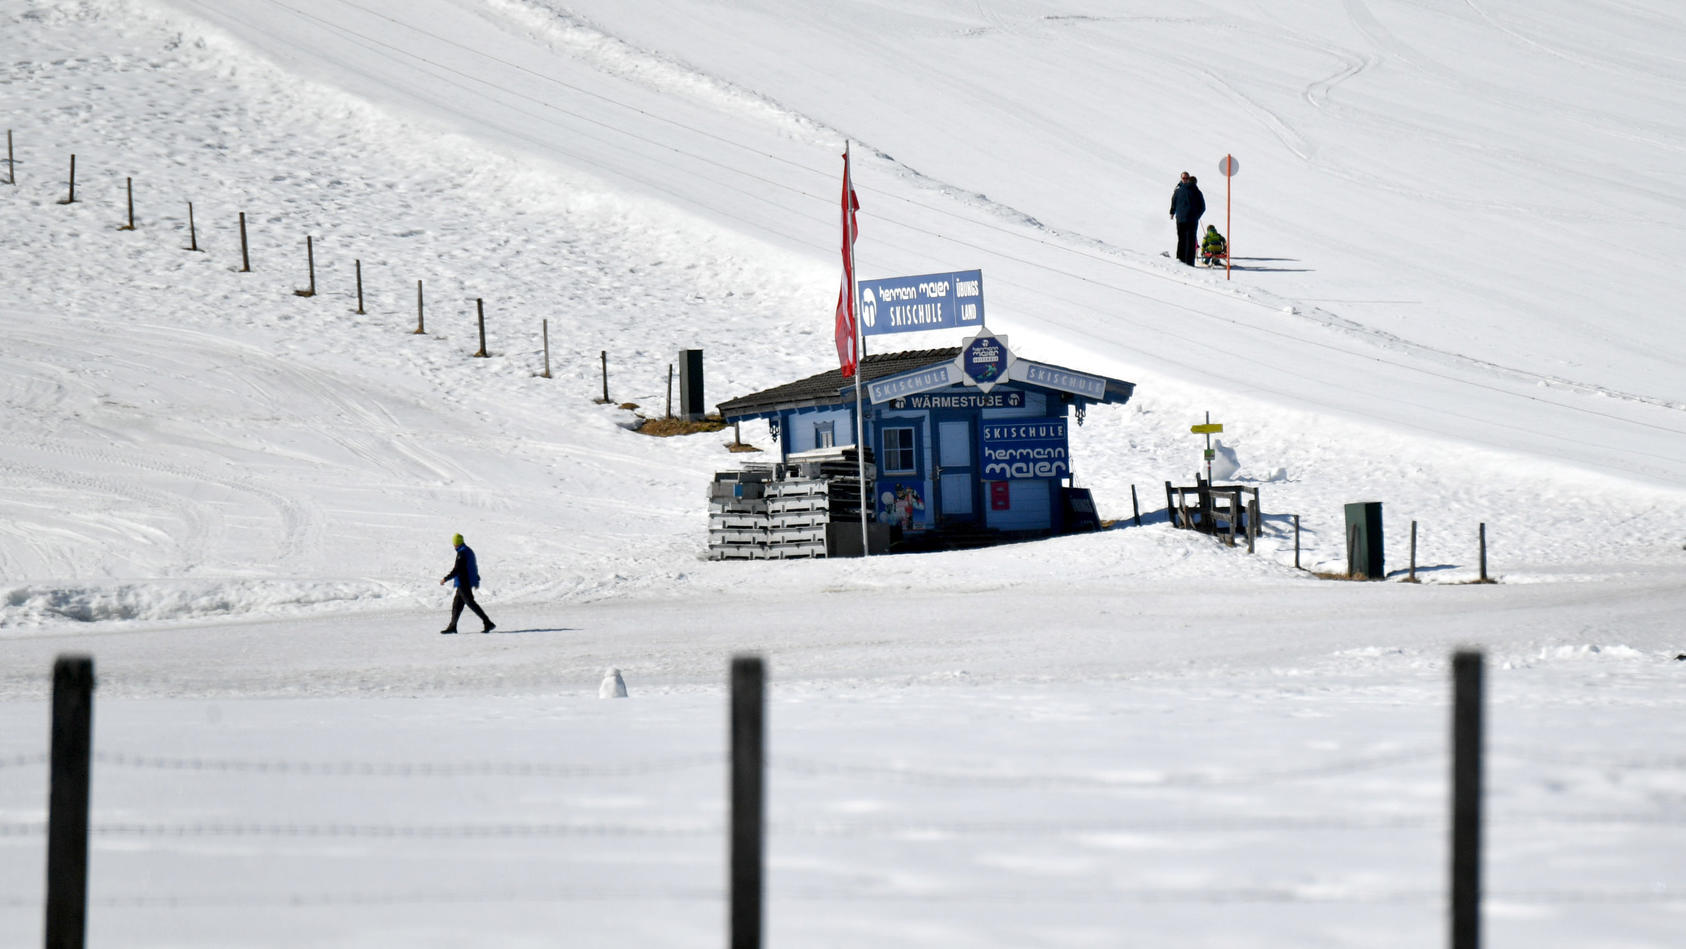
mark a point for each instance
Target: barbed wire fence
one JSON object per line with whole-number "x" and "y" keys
{"x": 745, "y": 826}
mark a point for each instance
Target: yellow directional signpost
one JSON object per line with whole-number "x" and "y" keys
{"x": 1208, "y": 430}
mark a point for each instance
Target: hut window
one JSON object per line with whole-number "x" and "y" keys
{"x": 898, "y": 450}
{"x": 825, "y": 434}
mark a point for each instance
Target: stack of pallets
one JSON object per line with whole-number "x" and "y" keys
{"x": 785, "y": 511}
{"x": 737, "y": 514}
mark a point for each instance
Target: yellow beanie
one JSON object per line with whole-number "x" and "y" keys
{"x": 456, "y": 540}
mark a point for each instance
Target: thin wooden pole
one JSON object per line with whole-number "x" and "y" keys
{"x": 310, "y": 265}
{"x": 11, "y": 166}
{"x": 192, "y": 232}
{"x": 1466, "y": 800}
{"x": 67, "y": 813}
{"x": 358, "y": 264}
{"x": 1135, "y": 506}
{"x": 480, "y": 308}
{"x": 420, "y": 328}
{"x": 670, "y": 390}
{"x": 1253, "y": 520}
{"x": 544, "y": 328}
{"x": 1296, "y": 542}
{"x": 1483, "y": 551}
{"x": 72, "y": 198}
{"x": 605, "y": 356}
{"x": 245, "y": 257}
{"x": 1413, "y": 577}
{"x": 748, "y": 786}
{"x": 129, "y": 185}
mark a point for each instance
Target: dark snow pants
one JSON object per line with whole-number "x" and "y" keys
{"x": 465, "y": 596}
{"x": 1188, "y": 239}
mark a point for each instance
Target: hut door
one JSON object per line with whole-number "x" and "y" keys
{"x": 957, "y": 480}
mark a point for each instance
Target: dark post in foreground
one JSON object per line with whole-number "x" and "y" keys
{"x": 192, "y": 232}
{"x": 480, "y": 308}
{"x": 605, "y": 356}
{"x": 420, "y": 328}
{"x": 245, "y": 258}
{"x": 748, "y": 739}
{"x": 1135, "y": 506}
{"x": 359, "y": 265}
{"x": 11, "y": 166}
{"x": 67, "y": 802}
{"x": 1466, "y": 800}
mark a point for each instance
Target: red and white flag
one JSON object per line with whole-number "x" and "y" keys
{"x": 847, "y": 356}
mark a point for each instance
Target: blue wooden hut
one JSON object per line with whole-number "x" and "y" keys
{"x": 969, "y": 444}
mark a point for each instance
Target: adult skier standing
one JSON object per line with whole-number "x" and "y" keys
{"x": 466, "y": 573}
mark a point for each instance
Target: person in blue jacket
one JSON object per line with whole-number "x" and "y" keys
{"x": 1187, "y": 205}
{"x": 466, "y": 572}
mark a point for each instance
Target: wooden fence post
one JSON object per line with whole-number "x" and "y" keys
{"x": 67, "y": 813}
{"x": 1484, "y": 552}
{"x": 480, "y": 308}
{"x": 544, "y": 328}
{"x": 669, "y": 390}
{"x": 605, "y": 355}
{"x": 358, "y": 264}
{"x": 11, "y": 166}
{"x": 1413, "y": 576}
{"x": 1135, "y": 506}
{"x": 1234, "y": 513}
{"x": 245, "y": 257}
{"x": 310, "y": 264}
{"x": 72, "y": 198}
{"x": 129, "y": 184}
{"x": 1296, "y": 542}
{"x": 1252, "y": 518}
{"x": 1172, "y": 510}
{"x": 192, "y": 232}
{"x": 748, "y": 785}
{"x": 420, "y": 329}
{"x": 1466, "y": 800}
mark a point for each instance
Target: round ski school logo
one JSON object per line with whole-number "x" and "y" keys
{"x": 869, "y": 307}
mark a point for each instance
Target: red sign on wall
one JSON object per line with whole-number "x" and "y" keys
{"x": 1000, "y": 495}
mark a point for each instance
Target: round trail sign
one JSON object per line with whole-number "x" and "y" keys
{"x": 1229, "y": 166}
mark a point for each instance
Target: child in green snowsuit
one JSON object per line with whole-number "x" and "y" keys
{"x": 1212, "y": 245}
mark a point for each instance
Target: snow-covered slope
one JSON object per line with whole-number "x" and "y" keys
{"x": 1450, "y": 299}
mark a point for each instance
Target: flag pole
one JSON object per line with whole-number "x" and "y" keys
{"x": 860, "y": 354}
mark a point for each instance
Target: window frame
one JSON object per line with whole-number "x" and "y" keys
{"x": 887, "y": 454}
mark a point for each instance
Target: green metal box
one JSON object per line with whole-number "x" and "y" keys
{"x": 1364, "y": 540}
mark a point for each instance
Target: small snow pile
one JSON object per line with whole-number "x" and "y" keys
{"x": 613, "y": 687}
{"x": 1225, "y": 465}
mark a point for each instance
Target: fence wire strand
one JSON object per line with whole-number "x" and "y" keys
{"x": 1122, "y": 781}
{"x": 403, "y": 769}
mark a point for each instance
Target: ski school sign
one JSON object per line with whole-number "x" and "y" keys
{"x": 1024, "y": 450}
{"x": 927, "y": 302}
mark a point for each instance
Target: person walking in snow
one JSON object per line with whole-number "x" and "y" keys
{"x": 1187, "y": 204}
{"x": 466, "y": 573}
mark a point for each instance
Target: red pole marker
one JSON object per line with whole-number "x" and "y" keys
{"x": 1228, "y": 166}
